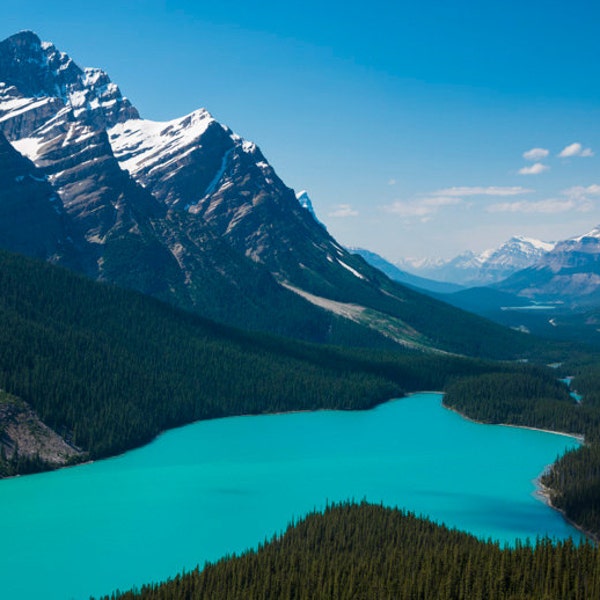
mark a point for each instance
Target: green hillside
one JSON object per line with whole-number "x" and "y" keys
{"x": 369, "y": 552}
{"x": 108, "y": 369}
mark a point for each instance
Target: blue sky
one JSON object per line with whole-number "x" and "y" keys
{"x": 410, "y": 124}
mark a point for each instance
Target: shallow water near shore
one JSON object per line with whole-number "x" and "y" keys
{"x": 216, "y": 487}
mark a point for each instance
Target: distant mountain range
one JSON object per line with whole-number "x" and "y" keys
{"x": 397, "y": 274}
{"x": 490, "y": 266}
{"x": 189, "y": 212}
{"x": 557, "y": 293}
{"x": 570, "y": 273}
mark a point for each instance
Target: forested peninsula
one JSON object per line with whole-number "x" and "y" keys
{"x": 370, "y": 552}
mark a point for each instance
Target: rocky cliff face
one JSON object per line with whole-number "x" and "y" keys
{"x": 36, "y": 73}
{"x": 88, "y": 184}
{"x": 32, "y": 216}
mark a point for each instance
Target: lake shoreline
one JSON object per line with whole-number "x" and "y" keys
{"x": 543, "y": 493}
{"x": 577, "y": 436}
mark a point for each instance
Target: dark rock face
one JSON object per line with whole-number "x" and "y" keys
{"x": 32, "y": 216}
{"x": 36, "y": 69}
{"x": 177, "y": 160}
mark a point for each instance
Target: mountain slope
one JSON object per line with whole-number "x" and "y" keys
{"x": 189, "y": 212}
{"x": 108, "y": 368}
{"x": 32, "y": 216}
{"x": 125, "y": 234}
{"x": 397, "y": 274}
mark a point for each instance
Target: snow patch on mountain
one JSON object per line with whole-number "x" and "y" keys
{"x": 29, "y": 147}
{"x": 490, "y": 266}
{"x": 14, "y": 106}
{"x": 306, "y": 203}
{"x": 593, "y": 234}
{"x": 349, "y": 268}
{"x": 144, "y": 144}
{"x": 212, "y": 186}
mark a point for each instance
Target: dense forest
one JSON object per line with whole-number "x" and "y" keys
{"x": 574, "y": 480}
{"x": 108, "y": 369}
{"x": 366, "y": 552}
{"x": 532, "y": 400}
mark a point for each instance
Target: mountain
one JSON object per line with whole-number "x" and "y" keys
{"x": 557, "y": 298}
{"x": 397, "y": 274}
{"x": 469, "y": 269}
{"x": 569, "y": 274}
{"x": 58, "y": 116}
{"x": 504, "y": 308}
{"x": 32, "y": 217}
{"x": 191, "y": 213}
{"x": 108, "y": 369}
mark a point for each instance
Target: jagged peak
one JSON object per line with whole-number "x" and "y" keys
{"x": 25, "y": 36}
{"x": 305, "y": 201}
{"x": 594, "y": 233}
{"x": 38, "y": 69}
{"x": 524, "y": 242}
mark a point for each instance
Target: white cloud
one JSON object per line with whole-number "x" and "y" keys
{"x": 483, "y": 191}
{"x": 534, "y": 169}
{"x": 392, "y": 182}
{"x": 436, "y": 201}
{"x": 343, "y": 211}
{"x": 536, "y": 154}
{"x": 581, "y": 191}
{"x": 551, "y": 206}
{"x": 576, "y": 199}
{"x": 423, "y": 207}
{"x": 575, "y": 149}
{"x": 408, "y": 209}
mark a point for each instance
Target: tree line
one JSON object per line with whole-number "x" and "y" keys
{"x": 362, "y": 551}
{"x": 531, "y": 399}
{"x": 109, "y": 369}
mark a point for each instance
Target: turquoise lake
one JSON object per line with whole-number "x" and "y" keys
{"x": 216, "y": 487}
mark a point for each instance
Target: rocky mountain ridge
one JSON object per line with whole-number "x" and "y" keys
{"x": 471, "y": 269}
{"x": 569, "y": 273}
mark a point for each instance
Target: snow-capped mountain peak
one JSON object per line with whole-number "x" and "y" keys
{"x": 141, "y": 144}
{"x": 489, "y": 266}
{"x": 518, "y": 252}
{"x": 38, "y": 78}
{"x": 306, "y": 203}
{"x": 594, "y": 233}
